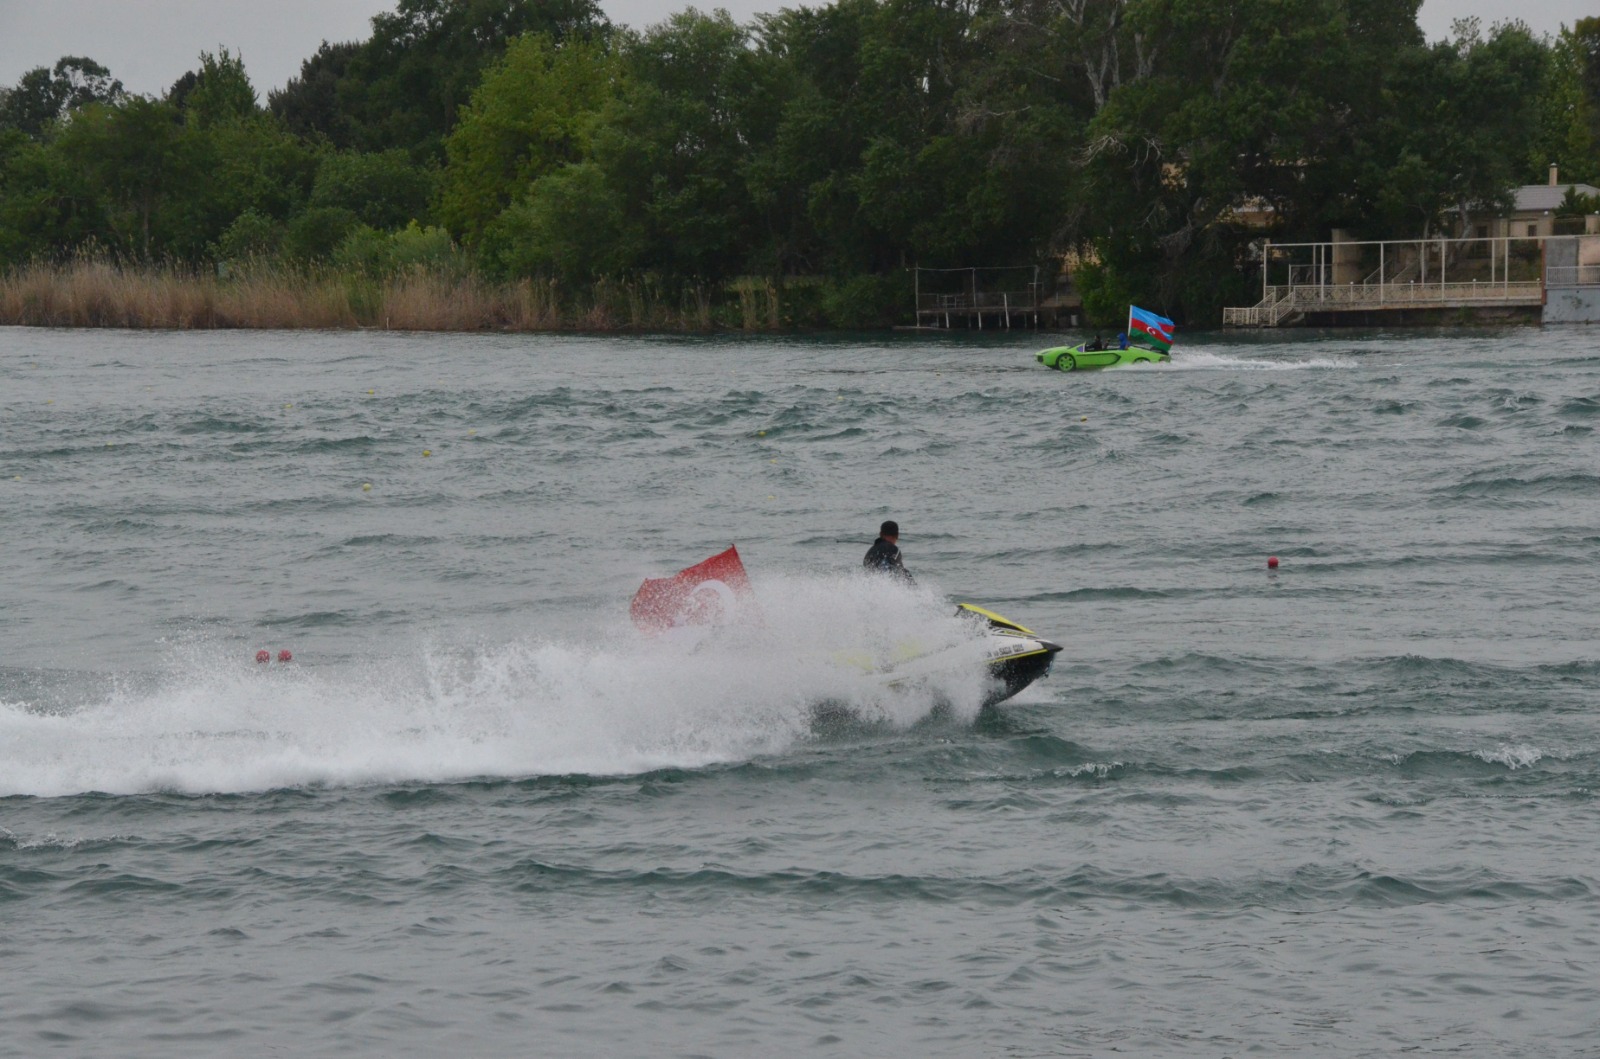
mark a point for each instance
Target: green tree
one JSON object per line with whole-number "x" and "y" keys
{"x": 570, "y": 225}
{"x": 246, "y": 163}
{"x": 253, "y": 164}
{"x": 153, "y": 183}
{"x": 384, "y": 189}
{"x": 1567, "y": 124}
{"x": 534, "y": 112}
{"x": 136, "y": 159}
{"x": 1585, "y": 37}
{"x": 45, "y": 208}
{"x": 910, "y": 131}
{"x": 848, "y": 140}
{"x": 802, "y": 177}
{"x": 1583, "y": 44}
{"x": 404, "y": 86}
{"x": 44, "y": 96}
{"x": 1576, "y": 205}
{"x": 315, "y": 234}
{"x": 309, "y": 104}
{"x": 1465, "y": 137}
{"x": 253, "y": 236}
{"x": 866, "y": 123}
{"x": 675, "y": 148}
{"x": 1261, "y": 103}
{"x": 220, "y": 91}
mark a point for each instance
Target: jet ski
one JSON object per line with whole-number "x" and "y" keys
{"x": 1080, "y": 358}
{"x": 1013, "y": 656}
{"x": 1017, "y": 656}
{"x": 1148, "y": 340}
{"x": 693, "y": 604}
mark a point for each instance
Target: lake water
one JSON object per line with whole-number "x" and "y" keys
{"x": 1347, "y": 807}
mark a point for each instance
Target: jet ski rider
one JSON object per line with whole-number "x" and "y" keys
{"x": 884, "y": 555}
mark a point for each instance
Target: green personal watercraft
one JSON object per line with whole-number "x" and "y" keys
{"x": 1077, "y": 358}
{"x": 1148, "y": 340}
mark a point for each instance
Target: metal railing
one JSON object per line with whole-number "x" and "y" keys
{"x": 1405, "y": 275}
{"x": 1270, "y": 311}
{"x": 1572, "y": 276}
{"x": 1401, "y": 295}
{"x": 1282, "y": 302}
{"x": 997, "y": 301}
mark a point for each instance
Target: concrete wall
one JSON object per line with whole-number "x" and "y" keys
{"x": 1346, "y": 259}
{"x": 1561, "y": 254}
{"x": 1482, "y": 316}
{"x": 1572, "y": 280}
{"x": 1572, "y": 305}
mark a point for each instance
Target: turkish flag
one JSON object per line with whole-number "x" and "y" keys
{"x": 708, "y": 593}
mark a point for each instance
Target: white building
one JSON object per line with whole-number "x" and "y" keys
{"x": 1533, "y": 213}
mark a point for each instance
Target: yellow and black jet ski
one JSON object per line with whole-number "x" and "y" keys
{"x": 1013, "y": 656}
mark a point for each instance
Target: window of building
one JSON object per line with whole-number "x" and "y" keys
{"x": 1483, "y": 231}
{"x": 1533, "y": 229}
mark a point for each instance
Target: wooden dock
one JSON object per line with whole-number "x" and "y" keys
{"x": 1359, "y": 282}
{"x": 1288, "y": 305}
{"x": 982, "y": 299}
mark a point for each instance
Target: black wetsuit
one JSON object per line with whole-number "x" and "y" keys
{"x": 884, "y": 558}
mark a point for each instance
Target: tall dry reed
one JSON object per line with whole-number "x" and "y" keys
{"x": 93, "y": 292}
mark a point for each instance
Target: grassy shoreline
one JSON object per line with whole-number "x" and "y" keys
{"x": 97, "y": 293}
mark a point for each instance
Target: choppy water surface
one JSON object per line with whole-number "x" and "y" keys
{"x": 1347, "y": 808}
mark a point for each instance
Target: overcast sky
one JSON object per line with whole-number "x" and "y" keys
{"x": 148, "y": 44}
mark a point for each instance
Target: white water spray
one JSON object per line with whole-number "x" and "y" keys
{"x": 613, "y": 702}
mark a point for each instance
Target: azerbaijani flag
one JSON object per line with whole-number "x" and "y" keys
{"x": 1156, "y": 330}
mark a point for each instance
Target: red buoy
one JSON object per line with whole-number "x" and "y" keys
{"x": 1272, "y": 562}
{"x": 263, "y": 655}
{"x": 285, "y": 656}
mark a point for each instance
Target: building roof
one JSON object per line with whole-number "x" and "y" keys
{"x": 1534, "y": 198}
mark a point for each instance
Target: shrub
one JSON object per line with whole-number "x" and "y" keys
{"x": 368, "y": 252}
{"x": 867, "y": 301}
{"x": 252, "y": 236}
{"x": 316, "y": 233}
{"x": 383, "y": 189}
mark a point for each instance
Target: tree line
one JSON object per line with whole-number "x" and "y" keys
{"x": 823, "y": 148}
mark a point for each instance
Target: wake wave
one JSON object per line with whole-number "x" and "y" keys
{"x": 1204, "y": 360}
{"x": 609, "y": 703}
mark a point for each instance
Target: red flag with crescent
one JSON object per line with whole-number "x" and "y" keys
{"x": 708, "y": 593}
